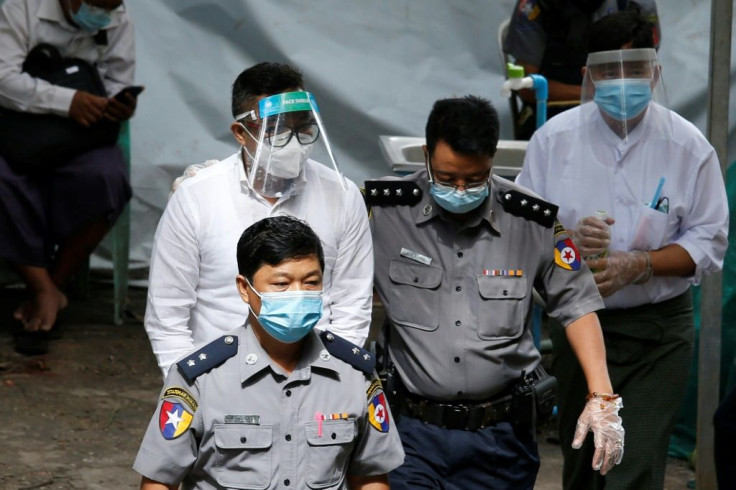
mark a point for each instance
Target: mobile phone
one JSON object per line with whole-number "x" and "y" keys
{"x": 133, "y": 90}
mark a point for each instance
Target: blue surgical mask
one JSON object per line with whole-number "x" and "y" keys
{"x": 290, "y": 315}
{"x": 623, "y": 98}
{"x": 456, "y": 201}
{"x": 91, "y": 18}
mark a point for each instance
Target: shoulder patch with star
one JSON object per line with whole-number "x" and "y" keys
{"x": 359, "y": 358}
{"x": 208, "y": 357}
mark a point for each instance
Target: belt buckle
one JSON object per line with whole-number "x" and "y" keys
{"x": 456, "y": 416}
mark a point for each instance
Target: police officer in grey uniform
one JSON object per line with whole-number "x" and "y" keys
{"x": 273, "y": 404}
{"x": 457, "y": 253}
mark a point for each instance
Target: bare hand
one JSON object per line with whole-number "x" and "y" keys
{"x": 120, "y": 111}
{"x": 87, "y": 109}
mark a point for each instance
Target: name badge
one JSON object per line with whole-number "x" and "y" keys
{"x": 243, "y": 419}
{"x": 415, "y": 256}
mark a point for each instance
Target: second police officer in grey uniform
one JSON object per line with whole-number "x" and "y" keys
{"x": 457, "y": 254}
{"x": 273, "y": 404}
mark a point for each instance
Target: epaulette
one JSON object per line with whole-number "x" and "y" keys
{"x": 391, "y": 193}
{"x": 209, "y": 356}
{"x": 528, "y": 207}
{"x": 359, "y": 358}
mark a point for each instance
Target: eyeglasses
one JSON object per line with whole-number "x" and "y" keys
{"x": 279, "y": 136}
{"x": 470, "y": 187}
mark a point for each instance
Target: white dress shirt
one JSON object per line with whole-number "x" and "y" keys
{"x": 192, "y": 297}
{"x": 26, "y": 23}
{"x": 577, "y": 162}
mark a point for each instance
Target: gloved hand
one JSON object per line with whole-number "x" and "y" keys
{"x": 600, "y": 416}
{"x": 619, "y": 269}
{"x": 592, "y": 235}
{"x": 190, "y": 171}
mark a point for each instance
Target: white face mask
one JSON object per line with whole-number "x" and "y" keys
{"x": 285, "y": 162}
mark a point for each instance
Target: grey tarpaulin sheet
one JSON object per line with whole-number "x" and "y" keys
{"x": 375, "y": 67}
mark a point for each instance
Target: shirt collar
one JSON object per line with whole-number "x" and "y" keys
{"x": 428, "y": 209}
{"x": 253, "y": 358}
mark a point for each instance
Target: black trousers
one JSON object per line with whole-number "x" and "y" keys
{"x": 725, "y": 435}
{"x": 648, "y": 352}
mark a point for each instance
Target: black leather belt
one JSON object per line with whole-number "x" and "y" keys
{"x": 464, "y": 416}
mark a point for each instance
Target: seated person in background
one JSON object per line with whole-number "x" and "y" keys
{"x": 191, "y": 300}
{"x": 655, "y": 174}
{"x": 273, "y": 404}
{"x": 50, "y": 223}
{"x": 549, "y": 37}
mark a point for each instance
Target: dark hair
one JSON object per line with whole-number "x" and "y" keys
{"x": 469, "y": 125}
{"x": 619, "y": 28}
{"x": 273, "y": 240}
{"x": 263, "y": 78}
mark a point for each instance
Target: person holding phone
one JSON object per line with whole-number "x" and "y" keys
{"x": 51, "y": 222}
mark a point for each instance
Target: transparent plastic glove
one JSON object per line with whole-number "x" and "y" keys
{"x": 601, "y": 417}
{"x": 592, "y": 235}
{"x": 619, "y": 269}
{"x": 190, "y": 171}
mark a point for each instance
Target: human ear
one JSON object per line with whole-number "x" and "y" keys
{"x": 238, "y": 132}
{"x": 242, "y": 285}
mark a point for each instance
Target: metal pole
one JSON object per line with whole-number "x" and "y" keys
{"x": 711, "y": 303}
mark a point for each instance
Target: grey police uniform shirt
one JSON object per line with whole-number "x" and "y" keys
{"x": 246, "y": 424}
{"x": 459, "y": 297}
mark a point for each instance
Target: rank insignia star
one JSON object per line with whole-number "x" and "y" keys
{"x": 202, "y": 356}
{"x": 191, "y": 362}
{"x": 356, "y": 350}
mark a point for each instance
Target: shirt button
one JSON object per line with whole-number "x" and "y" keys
{"x": 458, "y": 323}
{"x": 287, "y": 437}
{"x": 505, "y": 292}
{"x": 243, "y": 439}
{"x": 460, "y": 254}
{"x": 416, "y": 279}
{"x": 288, "y": 392}
{"x": 458, "y": 288}
{"x": 287, "y": 482}
{"x": 457, "y": 359}
{"x": 333, "y": 436}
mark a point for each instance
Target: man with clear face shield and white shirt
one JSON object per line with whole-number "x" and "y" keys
{"x": 659, "y": 182}
{"x": 192, "y": 297}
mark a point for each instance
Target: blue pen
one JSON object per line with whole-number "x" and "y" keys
{"x": 655, "y": 199}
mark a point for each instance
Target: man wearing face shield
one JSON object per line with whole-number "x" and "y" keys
{"x": 659, "y": 182}
{"x": 191, "y": 297}
{"x": 458, "y": 252}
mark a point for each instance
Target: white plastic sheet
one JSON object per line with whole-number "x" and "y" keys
{"x": 375, "y": 67}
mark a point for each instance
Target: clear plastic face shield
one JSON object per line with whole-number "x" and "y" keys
{"x": 626, "y": 87}
{"x": 286, "y": 132}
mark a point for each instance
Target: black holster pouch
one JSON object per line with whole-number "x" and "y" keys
{"x": 533, "y": 397}
{"x": 392, "y": 387}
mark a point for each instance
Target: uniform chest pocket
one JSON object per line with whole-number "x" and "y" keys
{"x": 328, "y": 452}
{"x": 415, "y": 294}
{"x": 243, "y": 455}
{"x": 502, "y": 306}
